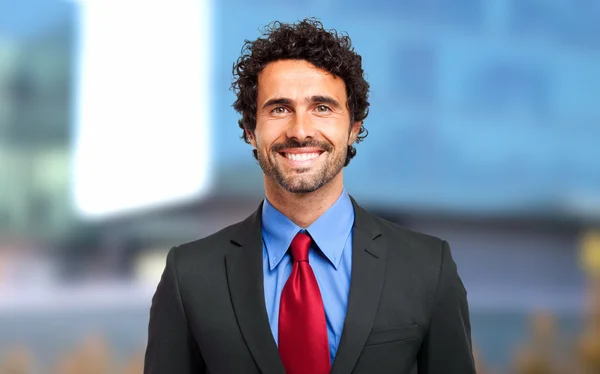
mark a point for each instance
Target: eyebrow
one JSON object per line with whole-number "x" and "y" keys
{"x": 311, "y": 100}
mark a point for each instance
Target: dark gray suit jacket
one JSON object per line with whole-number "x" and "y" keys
{"x": 407, "y": 307}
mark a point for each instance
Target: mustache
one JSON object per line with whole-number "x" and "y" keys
{"x": 292, "y": 143}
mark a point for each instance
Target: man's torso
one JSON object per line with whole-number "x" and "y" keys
{"x": 394, "y": 278}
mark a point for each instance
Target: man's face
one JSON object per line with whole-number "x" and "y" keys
{"x": 302, "y": 125}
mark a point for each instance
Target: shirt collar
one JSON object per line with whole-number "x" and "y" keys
{"x": 330, "y": 231}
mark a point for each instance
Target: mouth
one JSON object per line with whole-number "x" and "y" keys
{"x": 302, "y": 158}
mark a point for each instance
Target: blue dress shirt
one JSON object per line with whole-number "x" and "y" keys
{"x": 331, "y": 261}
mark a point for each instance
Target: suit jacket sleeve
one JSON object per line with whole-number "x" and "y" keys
{"x": 447, "y": 345}
{"x": 171, "y": 347}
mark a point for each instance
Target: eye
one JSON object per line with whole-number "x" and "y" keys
{"x": 279, "y": 110}
{"x": 323, "y": 108}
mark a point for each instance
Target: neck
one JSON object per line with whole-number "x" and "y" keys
{"x": 304, "y": 208}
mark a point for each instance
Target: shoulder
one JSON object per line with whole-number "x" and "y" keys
{"x": 422, "y": 256}
{"x": 424, "y": 251}
{"x": 414, "y": 238}
{"x": 205, "y": 252}
{"x": 398, "y": 238}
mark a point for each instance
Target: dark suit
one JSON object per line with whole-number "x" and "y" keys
{"x": 407, "y": 307}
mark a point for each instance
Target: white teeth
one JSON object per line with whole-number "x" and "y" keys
{"x": 301, "y": 156}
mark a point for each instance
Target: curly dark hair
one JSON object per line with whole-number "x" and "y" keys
{"x": 306, "y": 40}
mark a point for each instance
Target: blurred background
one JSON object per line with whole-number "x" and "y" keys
{"x": 118, "y": 141}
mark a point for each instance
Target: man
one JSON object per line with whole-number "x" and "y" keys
{"x": 310, "y": 283}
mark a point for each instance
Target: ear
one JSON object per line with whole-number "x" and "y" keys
{"x": 250, "y": 136}
{"x": 354, "y": 130}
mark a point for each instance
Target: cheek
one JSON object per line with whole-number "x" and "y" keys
{"x": 269, "y": 135}
{"x": 335, "y": 129}
{"x": 338, "y": 138}
{"x": 264, "y": 141}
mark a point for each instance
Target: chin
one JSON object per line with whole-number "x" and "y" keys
{"x": 304, "y": 186}
{"x": 301, "y": 190}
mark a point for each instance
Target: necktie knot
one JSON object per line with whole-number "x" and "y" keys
{"x": 300, "y": 247}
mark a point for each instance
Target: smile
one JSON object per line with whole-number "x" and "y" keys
{"x": 301, "y": 156}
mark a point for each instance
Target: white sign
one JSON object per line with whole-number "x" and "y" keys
{"x": 142, "y": 126}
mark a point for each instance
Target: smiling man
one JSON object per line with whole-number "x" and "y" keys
{"x": 310, "y": 283}
{"x": 303, "y": 130}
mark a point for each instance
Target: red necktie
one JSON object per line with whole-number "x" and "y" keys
{"x": 303, "y": 343}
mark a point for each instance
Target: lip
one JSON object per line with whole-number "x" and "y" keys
{"x": 299, "y": 151}
{"x": 301, "y": 163}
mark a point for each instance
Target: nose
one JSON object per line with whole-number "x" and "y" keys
{"x": 301, "y": 127}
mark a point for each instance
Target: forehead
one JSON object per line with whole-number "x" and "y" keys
{"x": 296, "y": 79}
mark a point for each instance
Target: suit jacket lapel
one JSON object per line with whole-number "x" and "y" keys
{"x": 246, "y": 286}
{"x": 368, "y": 273}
